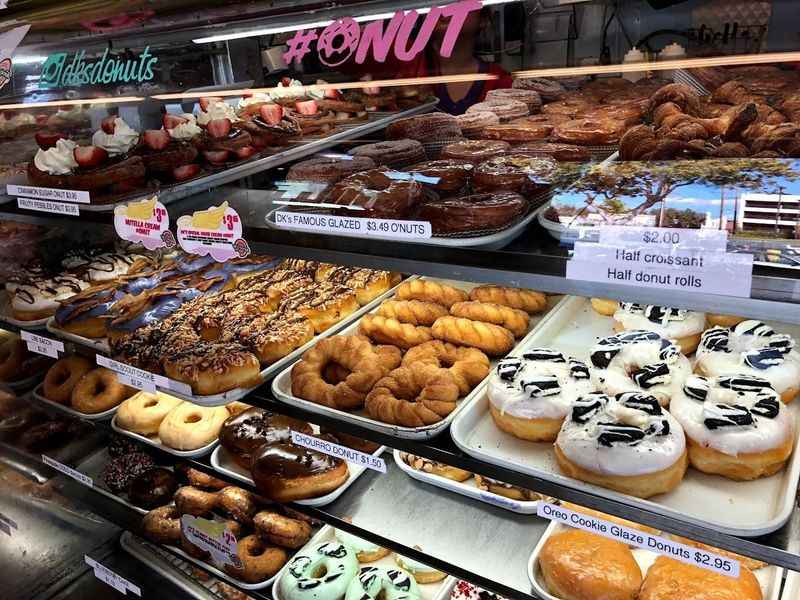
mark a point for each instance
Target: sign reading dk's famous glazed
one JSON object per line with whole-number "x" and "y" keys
{"x": 338, "y": 41}
{"x": 59, "y": 71}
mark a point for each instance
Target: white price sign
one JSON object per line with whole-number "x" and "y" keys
{"x": 42, "y": 193}
{"x": 640, "y": 539}
{"x": 59, "y": 208}
{"x": 352, "y": 456}
{"x": 141, "y": 379}
{"x": 710, "y": 240}
{"x": 42, "y": 345}
{"x": 353, "y": 226}
{"x": 7, "y": 524}
{"x": 111, "y": 578}
{"x": 68, "y": 471}
{"x": 498, "y": 500}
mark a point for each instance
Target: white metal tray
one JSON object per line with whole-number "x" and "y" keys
{"x": 467, "y": 488}
{"x": 439, "y": 590}
{"x": 101, "y": 416}
{"x": 155, "y": 441}
{"x": 7, "y": 316}
{"x": 98, "y": 344}
{"x": 769, "y": 578}
{"x": 223, "y": 463}
{"x": 743, "y": 508}
{"x": 282, "y": 387}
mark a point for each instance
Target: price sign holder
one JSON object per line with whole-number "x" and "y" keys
{"x": 111, "y": 578}
{"x": 353, "y": 226}
{"x": 42, "y": 345}
{"x": 68, "y": 471}
{"x": 352, "y": 456}
{"x": 59, "y": 208}
{"x": 141, "y": 379}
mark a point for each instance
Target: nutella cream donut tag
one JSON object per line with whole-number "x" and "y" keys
{"x": 216, "y": 231}
{"x": 144, "y": 222}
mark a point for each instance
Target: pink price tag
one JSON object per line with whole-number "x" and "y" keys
{"x": 216, "y": 231}
{"x": 144, "y": 222}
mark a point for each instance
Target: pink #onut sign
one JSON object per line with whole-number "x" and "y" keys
{"x": 145, "y": 223}
{"x": 221, "y": 243}
{"x": 338, "y": 41}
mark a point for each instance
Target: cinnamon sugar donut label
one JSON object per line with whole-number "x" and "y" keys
{"x": 352, "y": 456}
{"x": 42, "y": 193}
{"x": 42, "y": 345}
{"x": 213, "y": 537}
{"x": 144, "y": 222}
{"x": 216, "y": 232}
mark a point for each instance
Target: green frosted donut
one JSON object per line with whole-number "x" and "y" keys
{"x": 337, "y": 564}
{"x": 396, "y": 584}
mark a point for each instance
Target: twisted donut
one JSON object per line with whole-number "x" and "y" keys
{"x": 413, "y": 312}
{"x": 522, "y": 299}
{"x": 392, "y": 331}
{"x": 468, "y": 366}
{"x": 492, "y": 339}
{"x": 430, "y": 291}
{"x": 515, "y": 320}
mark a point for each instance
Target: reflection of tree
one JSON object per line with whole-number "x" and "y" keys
{"x": 686, "y": 218}
{"x": 613, "y": 206}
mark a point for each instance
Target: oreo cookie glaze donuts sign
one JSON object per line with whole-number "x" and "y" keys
{"x": 216, "y": 231}
{"x": 343, "y": 38}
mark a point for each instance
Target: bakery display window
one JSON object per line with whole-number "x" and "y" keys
{"x": 404, "y": 300}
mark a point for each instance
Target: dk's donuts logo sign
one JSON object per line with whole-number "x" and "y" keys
{"x": 342, "y": 38}
{"x": 59, "y": 71}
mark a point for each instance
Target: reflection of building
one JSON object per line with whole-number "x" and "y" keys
{"x": 643, "y": 220}
{"x": 770, "y": 213}
{"x": 714, "y": 223}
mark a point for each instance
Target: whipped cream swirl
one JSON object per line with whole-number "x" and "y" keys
{"x": 218, "y": 110}
{"x": 120, "y": 142}
{"x": 58, "y": 160}
{"x": 186, "y": 131}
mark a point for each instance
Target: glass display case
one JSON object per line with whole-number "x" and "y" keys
{"x": 485, "y": 299}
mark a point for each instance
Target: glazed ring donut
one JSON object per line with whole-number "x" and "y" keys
{"x": 430, "y": 291}
{"x": 492, "y": 339}
{"x": 143, "y": 412}
{"x": 468, "y": 366}
{"x": 505, "y": 109}
{"x": 281, "y": 530}
{"x": 513, "y": 319}
{"x": 589, "y": 132}
{"x": 351, "y": 352}
{"x": 189, "y": 427}
{"x": 605, "y": 306}
{"x": 98, "y": 391}
{"x": 162, "y": 525}
{"x": 413, "y": 396}
{"x": 413, "y": 312}
{"x": 527, "y": 300}
{"x": 392, "y": 331}
{"x": 62, "y": 377}
{"x": 12, "y": 354}
{"x": 259, "y": 561}
{"x": 337, "y": 562}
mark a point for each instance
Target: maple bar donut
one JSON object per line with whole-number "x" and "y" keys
{"x": 391, "y": 331}
{"x": 513, "y": 319}
{"x": 63, "y": 376}
{"x": 505, "y": 109}
{"x": 477, "y": 212}
{"x": 627, "y": 443}
{"x": 492, "y": 339}
{"x": 516, "y": 173}
{"x": 528, "y": 300}
{"x": 639, "y": 361}
{"x": 468, "y": 366}
{"x": 548, "y": 89}
{"x": 682, "y": 326}
{"x": 143, "y": 412}
{"x": 98, "y": 391}
{"x": 530, "y": 395}
{"x": 328, "y": 169}
{"x": 530, "y": 98}
{"x": 451, "y": 175}
{"x": 393, "y": 153}
{"x": 287, "y": 472}
{"x": 736, "y": 426}
{"x": 751, "y": 348}
{"x": 475, "y": 151}
{"x": 322, "y": 572}
{"x": 430, "y": 291}
{"x": 189, "y": 427}
{"x": 472, "y": 124}
{"x": 413, "y": 312}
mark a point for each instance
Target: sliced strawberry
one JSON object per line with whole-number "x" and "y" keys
{"x": 271, "y": 113}
{"x": 286, "y": 81}
{"x": 307, "y": 107}
{"x": 216, "y": 157}
{"x": 185, "y": 172}
{"x": 47, "y": 139}
{"x": 156, "y": 139}
{"x": 219, "y": 128}
{"x": 332, "y": 94}
{"x": 208, "y": 101}
{"x": 41, "y": 119}
{"x": 89, "y": 156}
{"x": 245, "y": 152}
{"x": 172, "y": 121}
{"x": 107, "y": 124}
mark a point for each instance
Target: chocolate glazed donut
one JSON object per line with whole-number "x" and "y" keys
{"x": 243, "y": 434}
{"x": 285, "y": 473}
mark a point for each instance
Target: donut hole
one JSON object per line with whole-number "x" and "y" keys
{"x": 99, "y": 387}
{"x": 256, "y": 549}
{"x": 61, "y": 377}
{"x": 150, "y": 404}
{"x": 334, "y": 373}
{"x": 193, "y": 418}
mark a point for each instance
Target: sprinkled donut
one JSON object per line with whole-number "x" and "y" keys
{"x": 639, "y": 361}
{"x": 683, "y": 326}
{"x": 736, "y": 425}
{"x": 340, "y": 567}
{"x": 390, "y": 584}
{"x": 626, "y": 443}
{"x": 530, "y": 395}
{"x": 751, "y": 348}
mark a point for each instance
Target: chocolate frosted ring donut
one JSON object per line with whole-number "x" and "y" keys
{"x": 504, "y": 109}
{"x": 394, "y": 153}
{"x": 452, "y": 175}
{"x": 472, "y": 124}
{"x": 531, "y": 98}
{"x": 514, "y": 172}
{"x": 376, "y": 194}
{"x": 476, "y": 151}
{"x": 471, "y": 213}
{"x": 328, "y": 169}
{"x": 431, "y": 127}
{"x": 548, "y": 89}
{"x": 559, "y": 152}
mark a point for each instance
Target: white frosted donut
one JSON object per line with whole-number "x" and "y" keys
{"x": 736, "y": 425}
{"x": 639, "y": 361}
{"x": 40, "y": 298}
{"x": 683, "y": 326}
{"x": 751, "y": 348}
{"x": 626, "y": 442}
{"x": 531, "y": 394}
{"x": 108, "y": 266}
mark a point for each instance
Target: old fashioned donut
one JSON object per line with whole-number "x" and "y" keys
{"x": 143, "y": 412}
{"x": 475, "y": 151}
{"x": 492, "y": 339}
{"x": 524, "y": 129}
{"x": 375, "y": 194}
{"x": 327, "y": 169}
{"x": 433, "y": 126}
{"x": 336, "y": 561}
{"x": 189, "y": 427}
{"x": 260, "y": 561}
{"x": 413, "y": 396}
{"x": 548, "y": 89}
{"x": 351, "y": 352}
{"x": 430, "y": 291}
{"x": 281, "y": 530}
{"x": 162, "y": 525}
{"x": 12, "y": 354}
{"x": 513, "y": 319}
{"x": 63, "y": 376}
{"x": 468, "y": 366}
{"x": 571, "y": 106}
{"x": 391, "y": 331}
{"x": 413, "y": 312}
{"x": 98, "y": 391}
{"x": 505, "y": 109}
{"x": 472, "y": 124}
{"x": 530, "y": 98}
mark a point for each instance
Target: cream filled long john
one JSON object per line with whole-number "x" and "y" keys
{"x": 627, "y": 443}
{"x": 530, "y": 395}
{"x": 189, "y": 427}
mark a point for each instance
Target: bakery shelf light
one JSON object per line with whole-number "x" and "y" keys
{"x": 664, "y": 65}
{"x": 81, "y": 102}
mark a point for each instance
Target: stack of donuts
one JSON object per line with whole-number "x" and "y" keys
{"x": 418, "y": 353}
{"x": 639, "y": 411}
{"x": 74, "y": 381}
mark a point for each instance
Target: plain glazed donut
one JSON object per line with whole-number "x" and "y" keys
{"x": 259, "y": 561}
{"x": 12, "y": 354}
{"x": 667, "y": 575}
{"x": 98, "y": 391}
{"x": 162, "y": 525}
{"x": 63, "y": 376}
{"x": 468, "y": 366}
{"x": 337, "y": 562}
{"x": 189, "y": 427}
{"x": 143, "y": 412}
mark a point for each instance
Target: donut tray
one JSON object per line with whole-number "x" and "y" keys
{"x": 97, "y": 344}
{"x": 769, "y": 578}
{"x": 467, "y": 488}
{"x": 282, "y": 386}
{"x": 6, "y": 316}
{"x": 743, "y": 508}
{"x": 222, "y": 462}
{"x": 155, "y": 441}
{"x": 93, "y": 467}
{"x": 439, "y": 590}
{"x": 38, "y": 395}
{"x": 24, "y": 384}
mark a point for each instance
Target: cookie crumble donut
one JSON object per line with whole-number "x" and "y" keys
{"x": 413, "y": 312}
{"x": 468, "y": 366}
{"x": 337, "y": 563}
{"x": 143, "y": 412}
{"x": 63, "y": 376}
{"x": 513, "y": 319}
{"x": 189, "y": 427}
{"x": 736, "y": 426}
{"x": 682, "y": 326}
{"x": 391, "y": 331}
{"x": 98, "y": 391}
{"x": 529, "y": 396}
{"x": 492, "y": 339}
{"x": 528, "y": 300}
{"x": 259, "y": 560}
{"x": 639, "y": 361}
{"x": 430, "y": 291}
{"x": 627, "y": 443}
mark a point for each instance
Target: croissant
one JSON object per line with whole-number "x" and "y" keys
{"x": 734, "y": 92}
{"x": 678, "y": 93}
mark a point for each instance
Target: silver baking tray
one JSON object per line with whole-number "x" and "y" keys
{"x": 101, "y": 416}
{"x": 282, "y": 387}
{"x": 156, "y": 442}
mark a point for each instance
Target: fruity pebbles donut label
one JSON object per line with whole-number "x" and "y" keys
{"x": 216, "y": 231}
{"x": 144, "y": 222}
